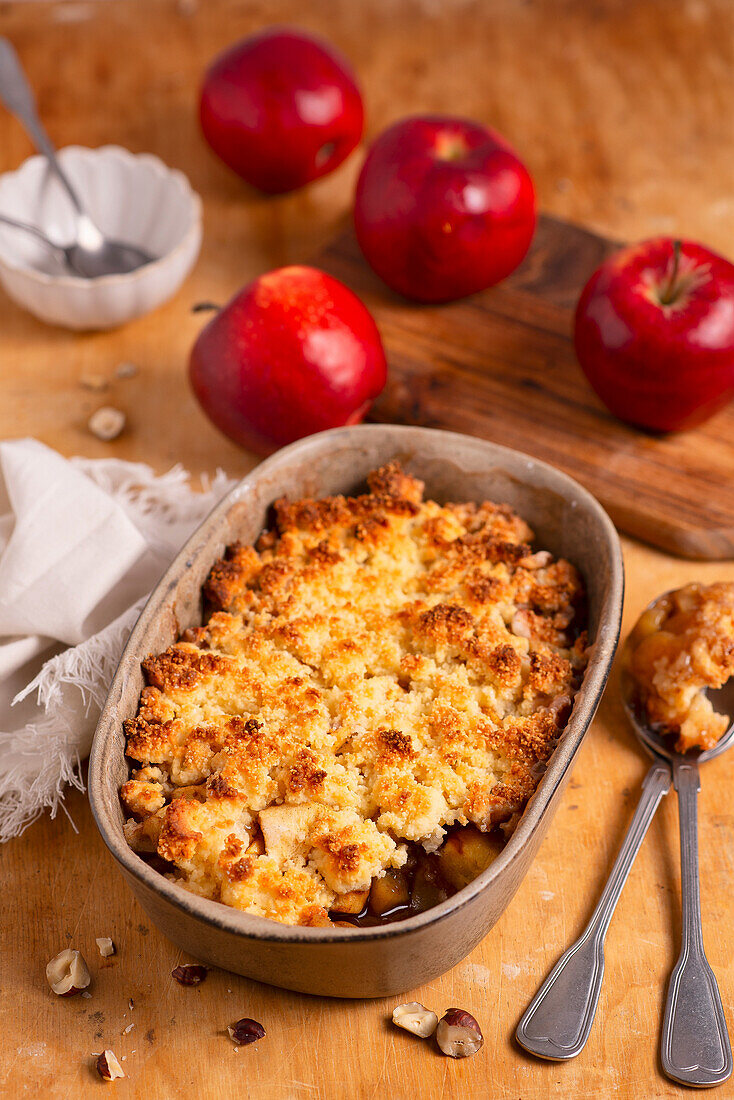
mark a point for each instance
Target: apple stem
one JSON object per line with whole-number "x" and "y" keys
{"x": 206, "y": 307}
{"x": 669, "y": 291}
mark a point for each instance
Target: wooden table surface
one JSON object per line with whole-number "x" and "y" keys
{"x": 623, "y": 113}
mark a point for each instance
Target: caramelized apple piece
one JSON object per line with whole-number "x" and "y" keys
{"x": 427, "y": 888}
{"x": 256, "y": 846}
{"x": 650, "y": 621}
{"x": 196, "y": 792}
{"x": 465, "y": 854}
{"x": 353, "y": 902}
{"x": 388, "y": 892}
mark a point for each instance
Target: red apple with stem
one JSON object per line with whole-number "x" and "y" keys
{"x": 443, "y": 208}
{"x": 294, "y": 352}
{"x": 281, "y": 108}
{"x": 654, "y": 334}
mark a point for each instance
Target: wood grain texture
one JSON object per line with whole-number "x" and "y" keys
{"x": 623, "y": 112}
{"x": 501, "y": 365}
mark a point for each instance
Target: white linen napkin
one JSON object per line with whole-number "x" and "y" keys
{"x": 82, "y": 542}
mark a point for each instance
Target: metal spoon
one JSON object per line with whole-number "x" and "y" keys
{"x": 91, "y": 254}
{"x": 64, "y": 252}
{"x": 695, "y": 1043}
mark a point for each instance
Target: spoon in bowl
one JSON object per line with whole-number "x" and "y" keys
{"x": 91, "y": 254}
{"x": 65, "y": 253}
{"x": 695, "y": 1044}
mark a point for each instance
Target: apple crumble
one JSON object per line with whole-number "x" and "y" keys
{"x": 366, "y": 711}
{"x": 681, "y": 645}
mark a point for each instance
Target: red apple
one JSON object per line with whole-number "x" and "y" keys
{"x": 281, "y": 108}
{"x": 654, "y": 334}
{"x": 443, "y": 208}
{"x": 293, "y": 353}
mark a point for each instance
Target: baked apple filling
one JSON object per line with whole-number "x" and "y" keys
{"x": 424, "y": 880}
{"x": 680, "y": 646}
{"x": 356, "y": 729}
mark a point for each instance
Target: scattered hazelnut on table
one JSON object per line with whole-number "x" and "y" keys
{"x": 190, "y": 974}
{"x": 93, "y": 382}
{"x": 458, "y": 1034}
{"x": 106, "y": 946}
{"x": 125, "y": 370}
{"x": 108, "y": 1067}
{"x": 106, "y": 423}
{"x": 415, "y": 1018}
{"x": 67, "y": 973}
{"x": 245, "y": 1031}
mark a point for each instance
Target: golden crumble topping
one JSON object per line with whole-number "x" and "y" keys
{"x": 379, "y": 669}
{"x": 681, "y": 645}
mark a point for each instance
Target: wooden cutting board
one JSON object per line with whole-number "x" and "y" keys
{"x": 501, "y": 365}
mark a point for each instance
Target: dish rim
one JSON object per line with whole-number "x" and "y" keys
{"x": 253, "y": 927}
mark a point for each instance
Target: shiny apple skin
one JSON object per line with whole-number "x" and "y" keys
{"x": 295, "y": 352}
{"x": 281, "y": 108}
{"x": 661, "y": 367}
{"x": 443, "y": 208}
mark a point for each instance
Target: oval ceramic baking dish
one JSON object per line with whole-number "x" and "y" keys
{"x": 367, "y": 962}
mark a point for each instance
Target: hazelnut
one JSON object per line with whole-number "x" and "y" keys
{"x": 108, "y": 1067}
{"x": 415, "y": 1018}
{"x": 190, "y": 974}
{"x": 106, "y": 946}
{"x": 245, "y": 1031}
{"x": 127, "y": 370}
{"x": 458, "y": 1034}
{"x": 93, "y": 382}
{"x": 67, "y": 973}
{"x": 106, "y": 423}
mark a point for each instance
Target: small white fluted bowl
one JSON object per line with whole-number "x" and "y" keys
{"x": 132, "y": 198}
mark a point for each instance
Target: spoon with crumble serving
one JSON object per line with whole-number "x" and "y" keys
{"x": 695, "y": 1048}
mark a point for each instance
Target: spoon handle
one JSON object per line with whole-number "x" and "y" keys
{"x": 17, "y": 95}
{"x": 26, "y": 227}
{"x": 694, "y": 1046}
{"x": 558, "y": 1020}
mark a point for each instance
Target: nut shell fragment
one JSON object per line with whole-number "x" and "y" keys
{"x": 108, "y": 1067}
{"x": 106, "y": 946}
{"x": 415, "y": 1018}
{"x": 458, "y": 1034}
{"x": 67, "y": 973}
{"x": 93, "y": 382}
{"x": 245, "y": 1031}
{"x": 190, "y": 974}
